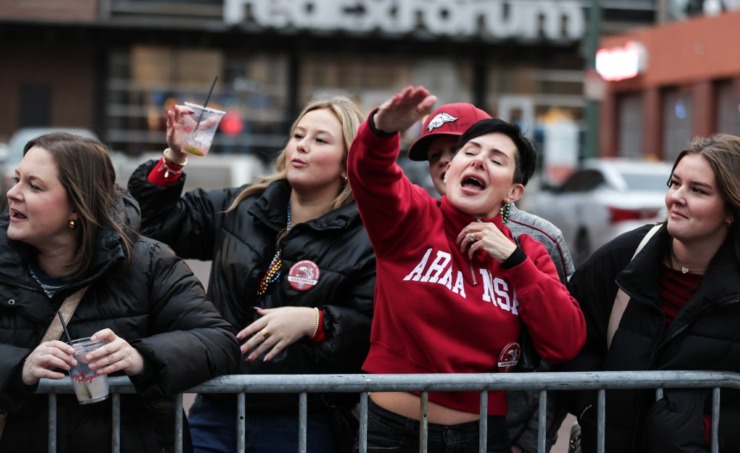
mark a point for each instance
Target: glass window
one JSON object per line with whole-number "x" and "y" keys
{"x": 642, "y": 181}
{"x": 147, "y": 80}
{"x": 630, "y": 125}
{"x": 728, "y": 107}
{"x": 583, "y": 181}
{"x": 678, "y": 121}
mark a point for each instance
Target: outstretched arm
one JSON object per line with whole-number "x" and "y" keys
{"x": 385, "y": 198}
{"x": 403, "y": 109}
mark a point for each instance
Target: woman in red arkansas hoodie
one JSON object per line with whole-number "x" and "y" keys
{"x": 453, "y": 287}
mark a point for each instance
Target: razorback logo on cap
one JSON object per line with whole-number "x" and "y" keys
{"x": 440, "y": 120}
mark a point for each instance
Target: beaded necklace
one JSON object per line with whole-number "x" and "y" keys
{"x": 275, "y": 270}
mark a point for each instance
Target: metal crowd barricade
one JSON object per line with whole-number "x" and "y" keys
{"x": 424, "y": 383}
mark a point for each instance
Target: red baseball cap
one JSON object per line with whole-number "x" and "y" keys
{"x": 449, "y": 119}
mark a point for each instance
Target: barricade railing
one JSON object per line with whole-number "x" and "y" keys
{"x": 543, "y": 382}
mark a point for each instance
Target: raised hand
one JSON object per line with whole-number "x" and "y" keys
{"x": 404, "y": 109}
{"x": 180, "y": 123}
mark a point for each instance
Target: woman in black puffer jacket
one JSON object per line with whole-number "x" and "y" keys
{"x": 69, "y": 226}
{"x": 680, "y": 304}
{"x": 292, "y": 268}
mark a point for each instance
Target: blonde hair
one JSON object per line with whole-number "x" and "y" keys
{"x": 350, "y": 117}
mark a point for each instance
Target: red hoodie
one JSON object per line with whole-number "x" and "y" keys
{"x": 436, "y": 311}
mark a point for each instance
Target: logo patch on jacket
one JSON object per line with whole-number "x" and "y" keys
{"x": 509, "y": 357}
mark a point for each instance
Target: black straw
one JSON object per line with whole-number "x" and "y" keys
{"x": 64, "y": 326}
{"x": 208, "y": 98}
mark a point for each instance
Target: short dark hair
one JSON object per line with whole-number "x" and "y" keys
{"x": 526, "y": 159}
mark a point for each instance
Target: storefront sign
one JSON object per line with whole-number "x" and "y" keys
{"x": 557, "y": 20}
{"x": 619, "y": 63}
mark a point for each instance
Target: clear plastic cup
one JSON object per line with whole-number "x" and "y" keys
{"x": 89, "y": 386}
{"x": 205, "y": 123}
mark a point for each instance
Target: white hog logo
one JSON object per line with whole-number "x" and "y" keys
{"x": 439, "y": 120}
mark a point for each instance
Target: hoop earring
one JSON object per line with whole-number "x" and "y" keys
{"x": 505, "y": 212}
{"x": 72, "y": 225}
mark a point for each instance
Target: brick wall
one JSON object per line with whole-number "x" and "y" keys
{"x": 50, "y": 10}
{"x": 67, "y": 70}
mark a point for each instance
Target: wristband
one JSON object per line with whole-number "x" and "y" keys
{"x": 171, "y": 160}
{"x": 169, "y": 170}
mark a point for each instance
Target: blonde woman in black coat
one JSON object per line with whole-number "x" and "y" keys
{"x": 292, "y": 269}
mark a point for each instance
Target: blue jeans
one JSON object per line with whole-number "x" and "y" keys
{"x": 388, "y": 432}
{"x": 213, "y": 430}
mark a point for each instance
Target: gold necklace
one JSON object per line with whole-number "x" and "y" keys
{"x": 684, "y": 269}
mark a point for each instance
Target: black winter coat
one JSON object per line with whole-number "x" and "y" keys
{"x": 156, "y": 304}
{"x": 241, "y": 244}
{"x": 703, "y": 336}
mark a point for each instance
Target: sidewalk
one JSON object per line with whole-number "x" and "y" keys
{"x": 561, "y": 446}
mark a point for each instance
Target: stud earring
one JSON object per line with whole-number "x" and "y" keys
{"x": 72, "y": 225}
{"x": 505, "y": 212}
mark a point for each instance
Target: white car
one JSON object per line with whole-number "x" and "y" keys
{"x": 602, "y": 199}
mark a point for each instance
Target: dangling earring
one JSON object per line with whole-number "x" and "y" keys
{"x": 505, "y": 212}
{"x": 72, "y": 225}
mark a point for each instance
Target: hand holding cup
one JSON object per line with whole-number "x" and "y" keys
{"x": 117, "y": 355}
{"x": 46, "y": 360}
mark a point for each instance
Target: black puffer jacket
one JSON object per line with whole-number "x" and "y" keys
{"x": 156, "y": 304}
{"x": 241, "y": 245}
{"x": 703, "y": 336}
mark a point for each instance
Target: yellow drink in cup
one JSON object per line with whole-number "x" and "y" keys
{"x": 205, "y": 122}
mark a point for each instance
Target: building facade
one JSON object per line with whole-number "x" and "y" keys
{"x": 114, "y": 66}
{"x": 670, "y": 83}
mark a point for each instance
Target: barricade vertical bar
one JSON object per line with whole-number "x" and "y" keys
{"x": 542, "y": 422}
{"x": 178, "y": 423}
{"x": 116, "y": 422}
{"x": 302, "y": 421}
{"x": 241, "y": 429}
{"x": 424, "y": 425}
{"x": 363, "y": 422}
{"x": 658, "y": 393}
{"x": 600, "y": 421}
{"x": 715, "y": 420}
{"x": 52, "y": 423}
{"x": 483, "y": 425}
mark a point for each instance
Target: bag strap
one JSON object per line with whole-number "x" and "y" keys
{"x": 54, "y": 331}
{"x": 622, "y": 299}
{"x": 67, "y": 310}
